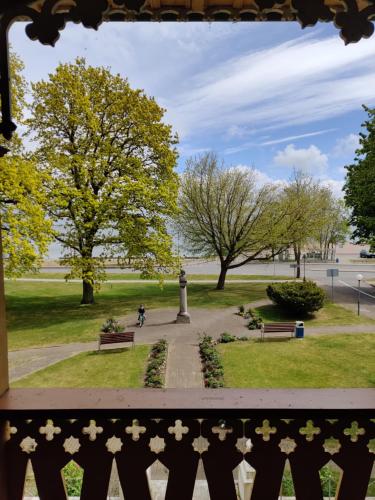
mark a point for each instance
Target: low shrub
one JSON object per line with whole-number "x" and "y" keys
{"x": 256, "y": 321}
{"x": 298, "y": 297}
{"x": 112, "y": 326}
{"x": 226, "y": 337}
{"x": 241, "y": 310}
{"x": 156, "y": 364}
{"x": 213, "y": 370}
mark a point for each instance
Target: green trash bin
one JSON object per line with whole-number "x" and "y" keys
{"x": 300, "y": 329}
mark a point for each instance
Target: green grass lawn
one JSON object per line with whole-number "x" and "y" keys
{"x": 40, "y": 314}
{"x": 195, "y": 277}
{"x": 320, "y": 362}
{"x": 331, "y": 314}
{"x": 107, "y": 368}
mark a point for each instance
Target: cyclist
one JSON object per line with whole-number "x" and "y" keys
{"x": 141, "y": 315}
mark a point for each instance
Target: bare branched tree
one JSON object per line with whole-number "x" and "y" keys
{"x": 223, "y": 213}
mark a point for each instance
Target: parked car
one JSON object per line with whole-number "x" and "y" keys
{"x": 364, "y": 254}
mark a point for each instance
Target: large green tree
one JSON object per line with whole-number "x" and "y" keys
{"x": 223, "y": 213}
{"x": 360, "y": 183}
{"x": 110, "y": 159}
{"x": 26, "y": 231}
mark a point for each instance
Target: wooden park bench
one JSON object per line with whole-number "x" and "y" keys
{"x": 115, "y": 338}
{"x": 277, "y": 328}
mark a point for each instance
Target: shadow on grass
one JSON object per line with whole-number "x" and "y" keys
{"x": 45, "y": 305}
{"x": 273, "y": 339}
{"x": 274, "y": 313}
{"x": 118, "y": 350}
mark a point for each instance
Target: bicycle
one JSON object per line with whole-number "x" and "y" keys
{"x": 141, "y": 320}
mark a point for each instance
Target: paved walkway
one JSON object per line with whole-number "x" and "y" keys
{"x": 159, "y": 324}
{"x": 183, "y": 357}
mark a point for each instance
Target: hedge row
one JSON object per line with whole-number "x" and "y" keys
{"x": 157, "y": 361}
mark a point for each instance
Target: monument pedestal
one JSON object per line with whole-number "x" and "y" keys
{"x": 183, "y": 316}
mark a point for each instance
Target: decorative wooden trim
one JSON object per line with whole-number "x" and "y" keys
{"x": 48, "y": 17}
{"x": 179, "y": 437}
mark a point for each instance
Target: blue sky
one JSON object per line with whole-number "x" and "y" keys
{"x": 265, "y": 95}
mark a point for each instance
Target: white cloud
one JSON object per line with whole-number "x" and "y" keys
{"x": 297, "y": 82}
{"x": 261, "y": 178}
{"x": 296, "y": 137}
{"x": 346, "y": 146}
{"x": 310, "y": 160}
{"x": 335, "y": 186}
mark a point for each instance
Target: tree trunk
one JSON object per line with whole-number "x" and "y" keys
{"x": 221, "y": 281}
{"x": 87, "y": 293}
{"x": 297, "y": 256}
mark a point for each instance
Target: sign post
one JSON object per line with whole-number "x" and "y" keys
{"x": 332, "y": 273}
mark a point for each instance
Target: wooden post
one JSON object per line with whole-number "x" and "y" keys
{"x": 4, "y": 377}
{"x": 4, "y": 374}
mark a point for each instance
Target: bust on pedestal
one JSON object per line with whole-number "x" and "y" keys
{"x": 183, "y": 316}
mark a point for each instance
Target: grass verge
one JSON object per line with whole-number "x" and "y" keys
{"x": 195, "y": 277}
{"x": 314, "y": 362}
{"x": 108, "y": 368}
{"x": 331, "y": 315}
{"x": 40, "y": 314}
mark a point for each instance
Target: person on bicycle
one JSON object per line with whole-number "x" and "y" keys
{"x": 141, "y": 315}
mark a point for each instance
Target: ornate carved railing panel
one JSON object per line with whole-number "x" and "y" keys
{"x": 93, "y": 441}
{"x": 49, "y": 17}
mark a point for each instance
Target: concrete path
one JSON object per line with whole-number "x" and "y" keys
{"x": 184, "y": 369}
{"x": 159, "y": 324}
{"x": 183, "y": 361}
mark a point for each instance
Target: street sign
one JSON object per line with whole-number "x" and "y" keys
{"x": 332, "y": 273}
{"x": 293, "y": 266}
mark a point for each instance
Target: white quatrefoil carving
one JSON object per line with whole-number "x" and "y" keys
{"x": 9, "y": 431}
{"x": 222, "y": 431}
{"x": 28, "y": 445}
{"x": 287, "y": 445}
{"x": 354, "y": 431}
{"x": 71, "y": 445}
{"x": 309, "y": 431}
{"x": 114, "y": 444}
{"x": 178, "y": 430}
{"x": 266, "y": 430}
{"x": 92, "y": 430}
{"x": 135, "y": 430}
{"x": 49, "y": 430}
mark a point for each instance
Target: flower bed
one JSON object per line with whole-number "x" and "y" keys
{"x": 155, "y": 372}
{"x": 213, "y": 371}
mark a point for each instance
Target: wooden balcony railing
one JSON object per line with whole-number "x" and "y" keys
{"x": 135, "y": 428}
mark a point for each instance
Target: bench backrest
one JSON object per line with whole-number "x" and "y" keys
{"x": 112, "y": 338}
{"x": 279, "y": 327}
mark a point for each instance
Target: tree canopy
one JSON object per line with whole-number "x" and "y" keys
{"x": 360, "y": 183}
{"x": 110, "y": 160}
{"x": 26, "y": 232}
{"x": 223, "y": 213}
{"x": 316, "y": 217}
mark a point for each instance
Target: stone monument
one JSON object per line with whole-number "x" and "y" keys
{"x": 183, "y": 316}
